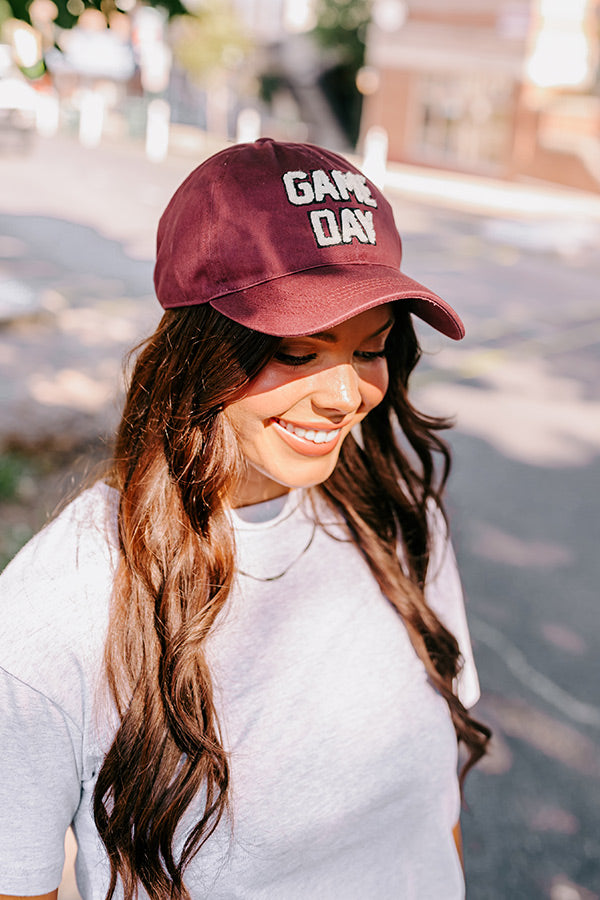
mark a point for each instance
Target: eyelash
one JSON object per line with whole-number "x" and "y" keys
{"x": 371, "y": 354}
{"x": 289, "y": 359}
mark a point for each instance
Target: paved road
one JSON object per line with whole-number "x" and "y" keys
{"x": 524, "y": 503}
{"x": 76, "y": 242}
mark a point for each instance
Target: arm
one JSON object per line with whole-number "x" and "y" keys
{"x": 39, "y": 790}
{"x": 457, "y": 840}
{"x": 51, "y": 896}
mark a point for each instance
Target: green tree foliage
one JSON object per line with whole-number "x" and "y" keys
{"x": 5, "y": 11}
{"x": 342, "y": 26}
{"x": 66, "y": 19}
{"x": 210, "y": 40}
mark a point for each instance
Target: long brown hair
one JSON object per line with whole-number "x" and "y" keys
{"x": 176, "y": 465}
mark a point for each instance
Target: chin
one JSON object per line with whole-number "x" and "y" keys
{"x": 296, "y": 480}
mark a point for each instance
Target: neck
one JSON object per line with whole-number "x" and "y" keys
{"x": 256, "y": 489}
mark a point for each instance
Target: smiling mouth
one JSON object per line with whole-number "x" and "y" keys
{"x": 314, "y": 435}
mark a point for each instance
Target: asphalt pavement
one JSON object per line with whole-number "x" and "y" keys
{"x": 520, "y": 263}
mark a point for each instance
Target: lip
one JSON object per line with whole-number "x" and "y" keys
{"x": 300, "y": 445}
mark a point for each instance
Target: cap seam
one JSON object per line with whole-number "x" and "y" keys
{"x": 216, "y": 183}
{"x": 344, "y": 265}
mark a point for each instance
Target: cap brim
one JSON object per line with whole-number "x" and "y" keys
{"x": 315, "y": 299}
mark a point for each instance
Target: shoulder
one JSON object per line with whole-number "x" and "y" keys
{"x": 63, "y": 556}
{"x": 54, "y": 597}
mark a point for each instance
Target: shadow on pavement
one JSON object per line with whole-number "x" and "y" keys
{"x": 526, "y": 540}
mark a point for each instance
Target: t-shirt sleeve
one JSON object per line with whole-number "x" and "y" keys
{"x": 39, "y": 788}
{"x": 444, "y": 595}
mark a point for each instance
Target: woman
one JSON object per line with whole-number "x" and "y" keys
{"x": 239, "y": 666}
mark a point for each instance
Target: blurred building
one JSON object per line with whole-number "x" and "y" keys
{"x": 290, "y": 65}
{"x": 270, "y": 21}
{"x": 507, "y": 88}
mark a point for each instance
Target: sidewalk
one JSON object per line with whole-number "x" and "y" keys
{"x": 492, "y": 197}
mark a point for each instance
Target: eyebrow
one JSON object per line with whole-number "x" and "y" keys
{"x": 330, "y": 338}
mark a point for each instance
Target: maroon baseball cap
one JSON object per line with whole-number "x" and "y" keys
{"x": 287, "y": 239}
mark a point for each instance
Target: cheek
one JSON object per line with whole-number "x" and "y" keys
{"x": 374, "y": 385}
{"x": 271, "y": 393}
{"x": 246, "y": 418}
{"x": 266, "y": 398}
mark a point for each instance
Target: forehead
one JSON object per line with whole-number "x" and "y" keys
{"x": 370, "y": 322}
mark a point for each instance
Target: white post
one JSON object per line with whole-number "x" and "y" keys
{"x": 157, "y": 129}
{"x": 248, "y": 126}
{"x": 91, "y": 118}
{"x": 47, "y": 114}
{"x": 375, "y": 158}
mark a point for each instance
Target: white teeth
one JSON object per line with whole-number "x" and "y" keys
{"x": 317, "y": 437}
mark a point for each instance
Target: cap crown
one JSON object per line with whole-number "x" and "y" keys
{"x": 258, "y": 212}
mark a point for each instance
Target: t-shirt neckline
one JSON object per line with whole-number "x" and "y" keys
{"x": 267, "y": 513}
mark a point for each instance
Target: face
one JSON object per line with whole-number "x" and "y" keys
{"x": 298, "y": 411}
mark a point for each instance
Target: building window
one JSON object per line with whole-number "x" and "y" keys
{"x": 462, "y": 120}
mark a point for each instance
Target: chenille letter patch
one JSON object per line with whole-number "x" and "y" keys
{"x": 334, "y": 226}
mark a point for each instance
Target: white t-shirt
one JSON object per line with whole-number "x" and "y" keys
{"x": 343, "y": 757}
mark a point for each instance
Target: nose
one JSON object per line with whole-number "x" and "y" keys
{"x": 337, "y": 391}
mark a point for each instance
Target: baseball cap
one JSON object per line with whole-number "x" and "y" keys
{"x": 287, "y": 239}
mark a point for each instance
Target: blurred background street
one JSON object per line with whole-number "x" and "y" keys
{"x": 507, "y": 231}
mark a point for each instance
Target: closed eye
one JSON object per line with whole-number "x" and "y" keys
{"x": 370, "y": 354}
{"x": 288, "y": 359}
